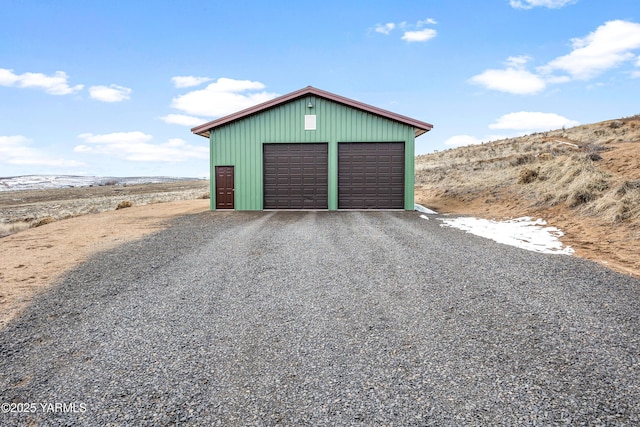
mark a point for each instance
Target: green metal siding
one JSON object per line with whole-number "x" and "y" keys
{"x": 239, "y": 144}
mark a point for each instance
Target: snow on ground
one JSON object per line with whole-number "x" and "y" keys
{"x": 520, "y": 232}
{"x": 420, "y": 208}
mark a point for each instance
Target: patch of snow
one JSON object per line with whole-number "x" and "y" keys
{"x": 520, "y": 232}
{"x": 567, "y": 143}
{"x": 420, "y": 208}
{"x": 423, "y": 216}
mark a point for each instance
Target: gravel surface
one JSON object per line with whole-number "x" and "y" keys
{"x": 326, "y": 318}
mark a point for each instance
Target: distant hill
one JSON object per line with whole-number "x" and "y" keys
{"x": 47, "y": 182}
{"x": 585, "y": 180}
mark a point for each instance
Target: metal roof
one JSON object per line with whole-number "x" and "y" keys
{"x": 420, "y": 127}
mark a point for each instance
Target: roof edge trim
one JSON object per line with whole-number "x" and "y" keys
{"x": 419, "y": 126}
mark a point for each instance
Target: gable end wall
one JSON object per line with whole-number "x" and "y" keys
{"x": 239, "y": 144}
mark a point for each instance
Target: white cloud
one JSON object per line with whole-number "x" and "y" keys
{"x": 551, "y": 4}
{"x": 223, "y": 97}
{"x": 188, "y": 81}
{"x": 116, "y": 137}
{"x": 411, "y": 32}
{"x": 55, "y": 85}
{"x": 112, "y": 93}
{"x": 610, "y": 45}
{"x": 181, "y": 119}
{"x": 134, "y": 146}
{"x": 16, "y": 150}
{"x": 7, "y": 77}
{"x": 427, "y": 21}
{"x": 511, "y": 80}
{"x": 514, "y": 79}
{"x": 420, "y": 35}
{"x": 385, "y": 28}
{"x": 460, "y": 140}
{"x": 607, "y": 47}
{"x": 532, "y": 121}
{"x": 518, "y": 124}
{"x": 517, "y": 61}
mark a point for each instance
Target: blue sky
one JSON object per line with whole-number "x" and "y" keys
{"x": 112, "y": 88}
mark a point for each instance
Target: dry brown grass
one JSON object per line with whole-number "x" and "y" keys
{"x": 584, "y": 175}
{"x": 124, "y": 204}
{"x": 621, "y": 204}
{"x": 14, "y": 227}
{"x": 20, "y": 210}
{"x": 546, "y": 169}
{"x": 572, "y": 180}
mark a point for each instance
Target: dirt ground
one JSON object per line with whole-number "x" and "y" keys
{"x": 33, "y": 259}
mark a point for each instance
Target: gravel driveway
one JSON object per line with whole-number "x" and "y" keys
{"x": 326, "y": 318}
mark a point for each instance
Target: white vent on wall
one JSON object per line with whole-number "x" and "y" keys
{"x": 310, "y": 122}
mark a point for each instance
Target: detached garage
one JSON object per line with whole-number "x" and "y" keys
{"x": 312, "y": 149}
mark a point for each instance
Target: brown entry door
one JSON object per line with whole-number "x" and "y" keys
{"x": 224, "y": 187}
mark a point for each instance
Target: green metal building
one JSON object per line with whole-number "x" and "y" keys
{"x": 312, "y": 149}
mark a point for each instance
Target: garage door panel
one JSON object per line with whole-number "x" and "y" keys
{"x": 374, "y": 170}
{"x": 315, "y": 184}
{"x": 372, "y": 180}
{"x": 300, "y": 174}
{"x": 371, "y": 175}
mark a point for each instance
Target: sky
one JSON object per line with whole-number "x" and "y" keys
{"x": 112, "y": 88}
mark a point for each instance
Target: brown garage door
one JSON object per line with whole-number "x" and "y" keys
{"x": 295, "y": 176}
{"x": 371, "y": 175}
